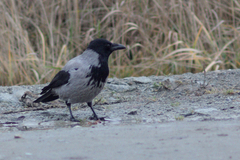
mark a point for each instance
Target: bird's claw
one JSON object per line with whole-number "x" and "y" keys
{"x": 72, "y": 119}
{"x": 96, "y": 118}
{"x": 102, "y": 119}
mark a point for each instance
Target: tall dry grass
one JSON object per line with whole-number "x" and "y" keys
{"x": 162, "y": 37}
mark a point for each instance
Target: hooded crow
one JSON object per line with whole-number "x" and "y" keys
{"x": 83, "y": 77}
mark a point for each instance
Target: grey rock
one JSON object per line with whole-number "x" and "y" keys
{"x": 120, "y": 88}
{"x": 141, "y": 80}
{"x": 205, "y": 110}
{"x": 116, "y": 81}
{"x": 8, "y": 98}
{"x": 12, "y": 95}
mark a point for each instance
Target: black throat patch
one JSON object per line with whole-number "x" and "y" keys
{"x": 98, "y": 74}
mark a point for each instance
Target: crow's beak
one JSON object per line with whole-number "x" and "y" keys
{"x": 116, "y": 46}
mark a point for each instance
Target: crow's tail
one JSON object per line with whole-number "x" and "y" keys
{"x": 47, "y": 97}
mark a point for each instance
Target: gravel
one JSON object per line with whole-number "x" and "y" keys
{"x": 131, "y": 100}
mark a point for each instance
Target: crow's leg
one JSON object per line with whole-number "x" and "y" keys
{"x": 95, "y": 117}
{"x": 71, "y": 115}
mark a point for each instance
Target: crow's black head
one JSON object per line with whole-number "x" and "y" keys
{"x": 104, "y": 47}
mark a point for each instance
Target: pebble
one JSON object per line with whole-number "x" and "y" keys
{"x": 17, "y": 136}
{"x": 133, "y": 112}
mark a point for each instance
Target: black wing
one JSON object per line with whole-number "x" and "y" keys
{"x": 60, "y": 79}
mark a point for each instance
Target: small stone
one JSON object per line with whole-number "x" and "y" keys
{"x": 17, "y": 136}
{"x": 133, "y": 112}
{"x": 142, "y": 79}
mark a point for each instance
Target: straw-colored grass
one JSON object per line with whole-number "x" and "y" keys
{"x": 162, "y": 37}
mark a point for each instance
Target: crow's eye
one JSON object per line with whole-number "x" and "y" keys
{"x": 108, "y": 45}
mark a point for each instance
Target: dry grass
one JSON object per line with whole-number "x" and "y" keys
{"x": 162, "y": 37}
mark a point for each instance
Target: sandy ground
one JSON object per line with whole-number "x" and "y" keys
{"x": 215, "y": 140}
{"x": 189, "y": 116}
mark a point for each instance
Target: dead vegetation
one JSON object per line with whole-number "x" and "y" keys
{"x": 162, "y": 37}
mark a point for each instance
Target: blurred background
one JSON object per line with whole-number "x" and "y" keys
{"x": 37, "y": 37}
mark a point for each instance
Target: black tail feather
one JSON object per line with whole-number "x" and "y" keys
{"x": 47, "y": 97}
{"x": 45, "y": 89}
